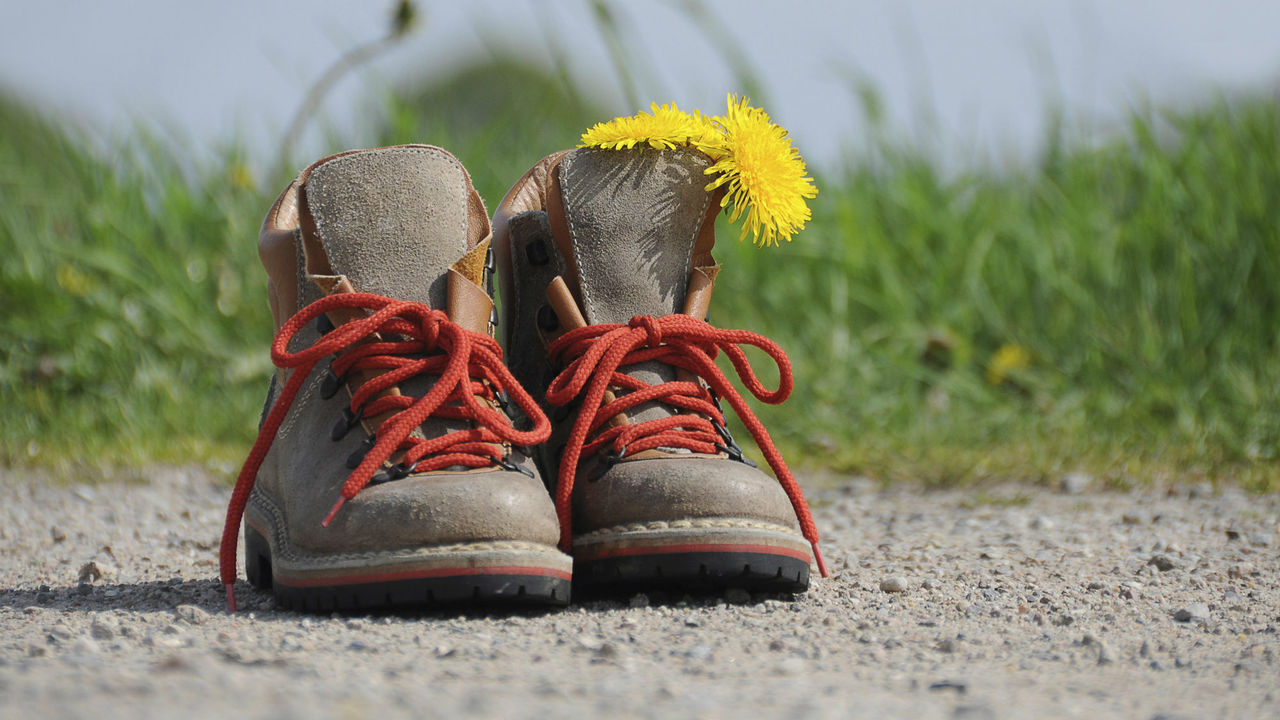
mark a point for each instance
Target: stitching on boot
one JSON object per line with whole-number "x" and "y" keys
{"x": 304, "y": 397}
{"x": 573, "y": 234}
{"x": 693, "y": 239}
{"x": 689, "y": 524}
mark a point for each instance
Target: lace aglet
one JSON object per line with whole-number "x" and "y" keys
{"x": 817, "y": 557}
{"x": 231, "y": 598}
{"x": 336, "y": 507}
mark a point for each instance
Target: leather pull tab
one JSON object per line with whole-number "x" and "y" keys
{"x": 698, "y": 297}
{"x": 468, "y": 304}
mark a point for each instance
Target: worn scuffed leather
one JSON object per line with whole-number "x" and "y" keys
{"x": 392, "y": 221}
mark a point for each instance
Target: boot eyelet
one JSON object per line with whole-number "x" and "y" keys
{"x": 357, "y": 457}
{"x": 547, "y": 320}
{"x": 395, "y": 472}
{"x": 330, "y": 384}
{"x": 506, "y": 464}
{"x": 535, "y": 251}
{"x": 344, "y": 424}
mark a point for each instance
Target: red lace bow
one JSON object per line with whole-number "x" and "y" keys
{"x": 593, "y": 354}
{"x": 470, "y": 373}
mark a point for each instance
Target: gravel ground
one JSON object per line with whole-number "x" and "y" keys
{"x": 1006, "y": 602}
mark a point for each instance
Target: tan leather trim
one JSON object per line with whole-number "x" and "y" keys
{"x": 566, "y": 309}
{"x": 707, "y": 234}
{"x": 471, "y": 265}
{"x": 478, "y": 230}
{"x": 698, "y": 297}
{"x": 559, "y": 222}
{"x": 469, "y": 305}
{"x": 278, "y": 250}
{"x": 696, "y": 303}
{"x": 528, "y": 193}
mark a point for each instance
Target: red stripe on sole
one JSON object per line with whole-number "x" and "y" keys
{"x": 421, "y": 575}
{"x": 695, "y": 548}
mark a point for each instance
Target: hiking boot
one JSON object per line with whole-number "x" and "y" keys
{"x": 604, "y": 258}
{"x": 386, "y": 472}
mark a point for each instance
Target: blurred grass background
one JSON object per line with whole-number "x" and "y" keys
{"x": 1111, "y": 308}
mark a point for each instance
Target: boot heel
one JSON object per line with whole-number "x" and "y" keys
{"x": 257, "y": 554}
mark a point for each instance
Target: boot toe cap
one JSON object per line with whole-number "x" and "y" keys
{"x": 679, "y": 488}
{"x": 440, "y": 509}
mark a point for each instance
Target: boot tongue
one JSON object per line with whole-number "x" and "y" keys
{"x": 630, "y": 220}
{"x": 391, "y": 220}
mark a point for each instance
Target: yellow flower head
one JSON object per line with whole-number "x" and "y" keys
{"x": 1006, "y": 360}
{"x": 764, "y": 176}
{"x": 666, "y": 127}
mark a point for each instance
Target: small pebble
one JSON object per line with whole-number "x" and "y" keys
{"x": 1163, "y": 563}
{"x": 103, "y": 629}
{"x": 894, "y": 584}
{"x": 590, "y": 642}
{"x": 1105, "y": 656}
{"x": 639, "y": 600}
{"x": 191, "y": 614}
{"x": 1194, "y": 612}
{"x": 89, "y": 572}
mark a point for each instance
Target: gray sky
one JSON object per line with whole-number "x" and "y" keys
{"x": 973, "y": 78}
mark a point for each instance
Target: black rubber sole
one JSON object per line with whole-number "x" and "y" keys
{"x": 694, "y": 572}
{"x": 450, "y": 591}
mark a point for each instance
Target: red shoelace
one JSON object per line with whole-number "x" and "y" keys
{"x": 401, "y": 339}
{"x": 591, "y": 357}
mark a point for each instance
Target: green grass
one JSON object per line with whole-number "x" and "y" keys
{"x": 1139, "y": 274}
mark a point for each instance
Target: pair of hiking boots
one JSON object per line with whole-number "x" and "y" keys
{"x": 402, "y": 461}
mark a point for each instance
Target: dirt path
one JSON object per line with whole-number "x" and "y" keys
{"x": 1014, "y": 602}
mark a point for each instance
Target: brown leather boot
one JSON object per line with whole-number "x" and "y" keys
{"x": 606, "y": 270}
{"x": 386, "y": 472}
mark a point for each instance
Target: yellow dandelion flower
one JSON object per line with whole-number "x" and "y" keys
{"x": 763, "y": 175}
{"x": 242, "y": 177}
{"x": 667, "y": 126}
{"x": 73, "y": 281}
{"x": 1008, "y": 359}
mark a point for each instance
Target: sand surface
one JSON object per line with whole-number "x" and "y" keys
{"x": 1006, "y": 602}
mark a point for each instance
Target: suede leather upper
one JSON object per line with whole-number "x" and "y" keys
{"x": 630, "y": 231}
{"x": 392, "y": 221}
